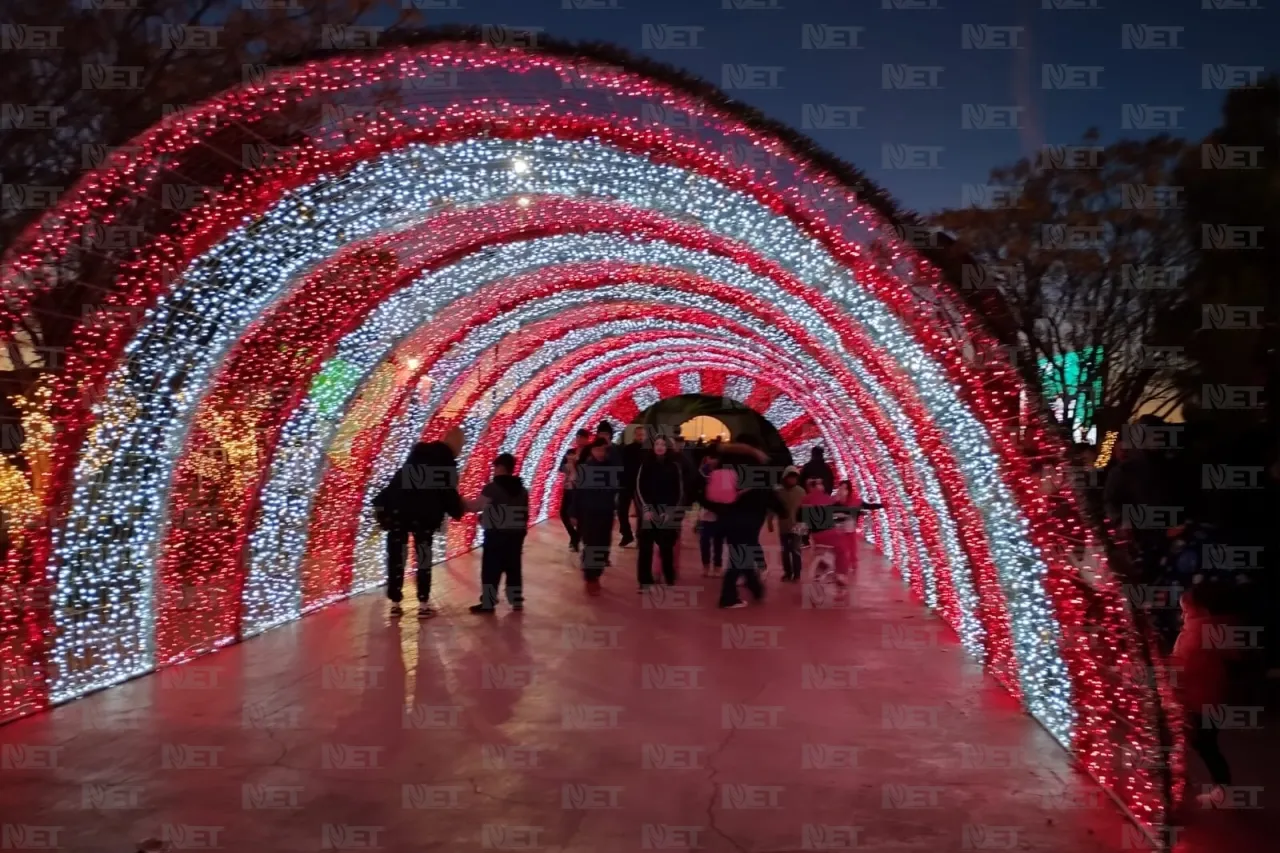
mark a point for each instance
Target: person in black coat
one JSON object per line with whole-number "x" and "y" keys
{"x": 633, "y": 455}
{"x": 504, "y": 518}
{"x": 595, "y": 506}
{"x": 661, "y": 498}
{"x": 818, "y": 469}
{"x": 416, "y": 501}
{"x": 741, "y": 520}
{"x": 569, "y": 470}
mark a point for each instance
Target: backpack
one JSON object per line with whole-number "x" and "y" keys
{"x": 722, "y": 486}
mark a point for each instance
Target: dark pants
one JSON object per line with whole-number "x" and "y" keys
{"x": 397, "y": 552}
{"x": 745, "y": 557}
{"x": 665, "y": 538}
{"x": 1203, "y": 736}
{"x": 503, "y": 555}
{"x": 566, "y": 505}
{"x": 625, "y": 500}
{"x": 596, "y": 533}
{"x": 711, "y": 543}
{"x": 790, "y": 555}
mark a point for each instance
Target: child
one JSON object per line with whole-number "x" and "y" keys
{"x": 504, "y": 517}
{"x": 847, "y": 520}
{"x": 817, "y": 513}
{"x": 790, "y": 495}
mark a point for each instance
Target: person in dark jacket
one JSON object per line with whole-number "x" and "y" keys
{"x": 633, "y": 455}
{"x": 569, "y": 473}
{"x": 818, "y": 469}
{"x": 660, "y": 498}
{"x": 741, "y": 520}
{"x": 415, "y": 502}
{"x": 504, "y": 518}
{"x": 595, "y": 506}
{"x": 710, "y": 538}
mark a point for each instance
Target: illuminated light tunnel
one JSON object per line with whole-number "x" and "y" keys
{"x": 561, "y": 235}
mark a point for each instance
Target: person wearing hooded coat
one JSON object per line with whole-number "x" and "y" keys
{"x": 818, "y": 469}
{"x": 504, "y": 518}
{"x": 415, "y": 502}
{"x": 660, "y": 497}
{"x": 595, "y": 507}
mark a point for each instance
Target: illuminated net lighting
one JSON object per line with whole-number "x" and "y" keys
{"x": 127, "y": 410}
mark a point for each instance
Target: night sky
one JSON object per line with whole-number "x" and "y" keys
{"x": 1161, "y": 67}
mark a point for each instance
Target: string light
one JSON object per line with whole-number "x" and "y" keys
{"x": 200, "y": 374}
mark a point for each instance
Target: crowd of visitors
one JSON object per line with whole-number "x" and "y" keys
{"x": 1202, "y": 549}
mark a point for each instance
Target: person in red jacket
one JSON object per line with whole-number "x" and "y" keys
{"x": 1201, "y": 682}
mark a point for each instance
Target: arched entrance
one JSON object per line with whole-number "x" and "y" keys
{"x": 519, "y": 254}
{"x": 733, "y": 417}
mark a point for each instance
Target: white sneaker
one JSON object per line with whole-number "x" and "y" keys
{"x": 737, "y": 606}
{"x": 1212, "y": 797}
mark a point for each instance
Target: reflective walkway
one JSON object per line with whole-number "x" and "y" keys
{"x": 624, "y": 722}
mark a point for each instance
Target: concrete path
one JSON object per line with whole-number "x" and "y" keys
{"x": 617, "y": 723}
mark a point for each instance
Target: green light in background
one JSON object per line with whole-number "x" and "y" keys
{"x": 1065, "y": 382}
{"x": 331, "y": 386}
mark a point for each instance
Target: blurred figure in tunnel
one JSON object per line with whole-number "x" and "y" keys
{"x": 595, "y": 505}
{"x": 569, "y": 473}
{"x": 660, "y": 497}
{"x": 504, "y": 517}
{"x": 817, "y": 468}
{"x": 415, "y": 502}
{"x": 633, "y": 454}
{"x": 742, "y": 514}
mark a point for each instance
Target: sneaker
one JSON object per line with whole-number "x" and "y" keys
{"x": 644, "y": 587}
{"x": 626, "y": 541}
{"x": 397, "y": 610}
{"x": 480, "y": 608}
{"x": 517, "y": 607}
{"x": 426, "y": 611}
{"x": 1212, "y": 797}
{"x": 737, "y": 606}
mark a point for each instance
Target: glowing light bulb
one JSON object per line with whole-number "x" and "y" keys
{"x": 520, "y": 166}
{"x": 524, "y": 201}
{"x": 413, "y": 363}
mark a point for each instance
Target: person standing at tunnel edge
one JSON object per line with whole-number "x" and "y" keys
{"x": 660, "y": 497}
{"x": 632, "y": 457}
{"x": 415, "y": 502}
{"x": 595, "y": 504}
{"x": 569, "y": 473}
{"x": 504, "y": 517}
{"x": 1203, "y": 678}
{"x": 741, "y": 517}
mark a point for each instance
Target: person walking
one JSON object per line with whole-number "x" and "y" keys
{"x": 790, "y": 496}
{"x": 742, "y": 516}
{"x": 633, "y": 454}
{"x": 504, "y": 518}
{"x": 818, "y": 469}
{"x": 1203, "y": 679}
{"x": 414, "y": 503}
{"x": 660, "y": 498}
{"x": 710, "y": 536}
{"x": 595, "y": 501}
{"x": 569, "y": 473}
